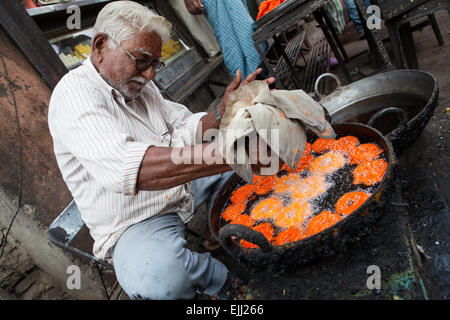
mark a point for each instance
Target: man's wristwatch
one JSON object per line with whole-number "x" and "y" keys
{"x": 217, "y": 113}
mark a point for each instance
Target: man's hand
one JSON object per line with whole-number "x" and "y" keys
{"x": 194, "y": 6}
{"x": 236, "y": 83}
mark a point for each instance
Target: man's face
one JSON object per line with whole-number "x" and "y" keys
{"x": 119, "y": 69}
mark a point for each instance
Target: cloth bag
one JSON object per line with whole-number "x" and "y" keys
{"x": 279, "y": 119}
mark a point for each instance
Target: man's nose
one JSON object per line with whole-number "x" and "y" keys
{"x": 149, "y": 74}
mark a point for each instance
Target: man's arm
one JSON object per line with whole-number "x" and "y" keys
{"x": 161, "y": 170}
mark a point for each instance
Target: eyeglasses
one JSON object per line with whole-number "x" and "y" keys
{"x": 142, "y": 64}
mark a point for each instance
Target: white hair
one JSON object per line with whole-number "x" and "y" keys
{"x": 123, "y": 19}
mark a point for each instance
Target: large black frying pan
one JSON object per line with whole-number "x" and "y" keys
{"x": 326, "y": 243}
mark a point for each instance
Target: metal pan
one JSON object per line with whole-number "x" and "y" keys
{"x": 326, "y": 243}
{"x": 397, "y": 103}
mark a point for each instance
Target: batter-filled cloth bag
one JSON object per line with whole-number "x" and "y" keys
{"x": 256, "y": 117}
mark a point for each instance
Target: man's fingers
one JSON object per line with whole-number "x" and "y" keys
{"x": 270, "y": 80}
{"x": 198, "y": 6}
{"x": 236, "y": 81}
{"x": 194, "y": 6}
{"x": 252, "y": 76}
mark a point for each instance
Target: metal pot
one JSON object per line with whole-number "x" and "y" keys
{"x": 397, "y": 103}
{"x": 326, "y": 243}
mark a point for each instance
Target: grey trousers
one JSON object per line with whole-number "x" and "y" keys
{"x": 151, "y": 261}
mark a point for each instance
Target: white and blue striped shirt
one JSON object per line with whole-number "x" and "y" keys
{"x": 99, "y": 143}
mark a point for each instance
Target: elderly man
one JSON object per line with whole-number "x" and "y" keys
{"x": 114, "y": 135}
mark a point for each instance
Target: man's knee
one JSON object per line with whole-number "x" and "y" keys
{"x": 157, "y": 274}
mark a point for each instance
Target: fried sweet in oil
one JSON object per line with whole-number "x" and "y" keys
{"x": 289, "y": 235}
{"x": 244, "y": 220}
{"x": 370, "y": 172}
{"x": 286, "y": 167}
{"x": 265, "y": 228}
{"x": 232, "y": 211}
{"x": 351, "y": 201}
{"x": 310, "y": 187}
{"x": 364, "y": 152}
{"x": 304, "y": 163}
{"x": 307, "y": 150}
{"x": 267, "y": 6}
{"x": 265, "y": 185}
{"x": 345, "y": 144}
{"x": 321, "y": 145}
{"x": 323, "y": 220}
{"x": 241, "y": 194}
{"x": 267, "y": 208}
{"x": 257, "y": 178}
{"x": 328, "y": 163}
{"x": 285, "y": 182}
{"x": 293, "y": 215}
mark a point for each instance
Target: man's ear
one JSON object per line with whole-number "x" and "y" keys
{"x": 99, "y": 44}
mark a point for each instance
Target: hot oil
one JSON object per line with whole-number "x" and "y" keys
{"x": 339, "y": 182}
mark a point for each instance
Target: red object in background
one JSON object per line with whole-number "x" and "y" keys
{"x": 28, "y": 4}
{"x": 267, "y": 6}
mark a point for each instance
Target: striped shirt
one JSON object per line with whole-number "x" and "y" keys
{"x": 100, "y": 141}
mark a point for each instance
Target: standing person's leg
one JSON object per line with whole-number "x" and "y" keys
{"x": 151, "y": 262}
{"x": 198, "y": 26}
{"x": 353, "y": 14}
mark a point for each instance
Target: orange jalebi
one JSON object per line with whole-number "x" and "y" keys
{"x": 289, "y": 235}
{"x": 265, "y": 185}
{"x": 285, "y": 182}
{"x": 321, "y": 145}
{"x": 323, "y": 220}
{"x": 351, "y": 201}
{"x": 267, "y": 6}
{"x": 293, "y": 215}
{"x": 307, "y": 150}
{"x": 286, "y": 167}
{"x": 241, "y": 194}
{"x": 370, "y": 172}
{"x": 291, "y": 219}
{"x": 266, "y": 229}
{"x": 244, "y": 220}
{"x": 267, "y": 208}
{"x": 257, "y": 178}
{"x": 232, "y": 211}
{"x": 364, "y": 152}
{"x": 345, "y": 144}
{"x": 304, "y": 163}
{"x": 327, "y": 163}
